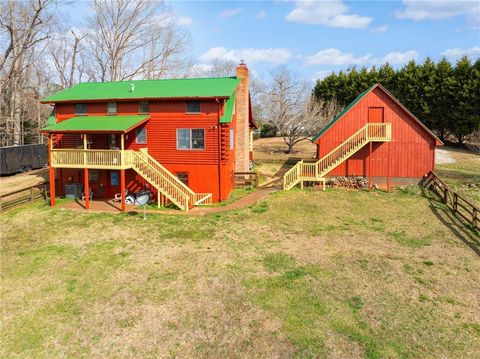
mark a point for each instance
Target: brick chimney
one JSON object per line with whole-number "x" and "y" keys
{"x": 242, "y": 134}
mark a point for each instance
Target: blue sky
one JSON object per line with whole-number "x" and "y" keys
{"x": 317, "y": 37}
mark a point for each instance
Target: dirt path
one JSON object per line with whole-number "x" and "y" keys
{"x": 443, "y": 156}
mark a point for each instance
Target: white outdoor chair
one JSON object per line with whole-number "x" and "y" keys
{"x": 118, "y": 196}
{"x": 90, "y": 197}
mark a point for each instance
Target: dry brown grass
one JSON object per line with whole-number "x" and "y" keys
{"x": 273, "y": 148}
{"x": 303, "y": 274}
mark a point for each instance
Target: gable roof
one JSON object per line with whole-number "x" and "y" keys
{"x": 343, "y": 112}
{"x": 362, "y": 95}
{"x": 148, "y": 89}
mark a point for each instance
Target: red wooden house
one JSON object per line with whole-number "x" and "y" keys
{"x": 183, "y": 139}
{"x": 375, "y": 137}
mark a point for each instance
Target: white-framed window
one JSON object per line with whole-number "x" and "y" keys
{"x": 193, "y": 107}
{"x": 232, "y": 139}
{"x": 190, "y": 139}
{"x": 143, "y": 107}
{"x": 80, "y": 109}
{"x": 111, "y": 108}
{"x": 141, "y": 136}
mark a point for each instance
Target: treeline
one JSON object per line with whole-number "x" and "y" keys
{"x": 444, "y": 96}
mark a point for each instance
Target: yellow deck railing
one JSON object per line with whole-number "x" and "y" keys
{"x": 157, "y": 175}
{"x": 371, "y": 132}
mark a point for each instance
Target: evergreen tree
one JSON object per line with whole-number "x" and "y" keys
{"x": 466, "y": 116}
{"x": 445, "y": 98}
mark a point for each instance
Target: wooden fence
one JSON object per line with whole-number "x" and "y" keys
{"x": 24, "y": 195}
{"x": 246, "y": 179}
{"x": 459, "y": 205}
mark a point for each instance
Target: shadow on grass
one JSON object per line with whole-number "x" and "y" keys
{"x": 460, "y": 229}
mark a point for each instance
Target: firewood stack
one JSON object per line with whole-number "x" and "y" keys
{"x": 351, "y": 182}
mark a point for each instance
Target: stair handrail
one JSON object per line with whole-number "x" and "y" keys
{"x": 352, "y": 142}
{"x": 292, "y": 175}
{"x": 172, "y": 191}
{"x": 154, "y": 163}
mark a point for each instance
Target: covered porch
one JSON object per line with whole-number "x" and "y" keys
{"x": 107, "y": 154}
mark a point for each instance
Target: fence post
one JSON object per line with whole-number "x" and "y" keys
{"x": 445, "y": 195}
{"x": 31, "y": 194}
{"x": 455, "y": 201}
{"x": 474, "y": 218}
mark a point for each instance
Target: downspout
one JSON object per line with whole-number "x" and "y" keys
{"x": 219, "y": 152}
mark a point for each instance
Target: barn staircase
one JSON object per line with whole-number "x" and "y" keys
{"x": 165, "y": 182}
{"x": 316, "y": 171}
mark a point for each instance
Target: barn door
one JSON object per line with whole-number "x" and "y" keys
{"x": 375, "y": 114}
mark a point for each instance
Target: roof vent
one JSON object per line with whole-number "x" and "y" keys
{"x": 132, "y": 87}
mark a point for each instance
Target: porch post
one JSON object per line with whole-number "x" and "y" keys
{"x": 122, "y": 171}
{"x": 370, "y": 166}
{"x": 122, "y": 188}
{"x": 86, "y": 186}
{"x": 51, "y": 171}
{"x": 85, "y": 150}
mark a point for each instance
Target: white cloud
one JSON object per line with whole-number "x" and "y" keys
{"x": 320, "y": 75}
{"x": 261, "y": 14}
{"x": 329, "y": 13}
{"x": 336, "y": 57}
{"x": 437, "y": 10}
{"x": 457, "y": 52}
{"x": 250, "y": 55}
{"x": 184, "y": 21}
{"x": 229, "y": 13}
{"x": 395, "y": 58}
{"x": 381, "y": 28}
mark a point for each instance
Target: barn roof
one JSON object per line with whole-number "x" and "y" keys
{"x": 148, "y": 89}
{"x": 362, "y": 95}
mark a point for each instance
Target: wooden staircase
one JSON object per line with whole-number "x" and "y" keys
{"x": 316, "y": 171}
{"x": 165, "y": 182}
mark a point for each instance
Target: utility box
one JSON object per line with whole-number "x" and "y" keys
{"x": 73, "y": 191}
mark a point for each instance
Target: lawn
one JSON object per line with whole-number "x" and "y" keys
{"x": 338, "y": 274}
{"x": 463, "y": 175}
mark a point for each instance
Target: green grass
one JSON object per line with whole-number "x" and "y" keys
{"x": 462, "y": 174}
{"x": 299, "y": 274}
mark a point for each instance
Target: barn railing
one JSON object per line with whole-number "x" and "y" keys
{"x": 371, "y": 132}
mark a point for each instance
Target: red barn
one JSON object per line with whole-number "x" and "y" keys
{"x": 376, "y": 137}
{"x": 183, "y": 139}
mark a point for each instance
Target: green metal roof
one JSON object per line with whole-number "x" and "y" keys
{"x": 148, "y": 89}
{"x": 341, "y": 114}
{"x": 51, "y": 120}
{"x": 229, "y": 106}
{"x": 97, "y": 124}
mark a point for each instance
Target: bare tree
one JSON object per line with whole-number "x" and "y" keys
{"x": 218, "y": 68}
{"x": 66, "y": 53}
{"x": 289, "y": 106}
{"x": 24, "y": 26}
{"x": 134, "y": 38}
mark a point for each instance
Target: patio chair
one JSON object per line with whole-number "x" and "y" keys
{"x": 118, "y": 196}
{"x": 90, "y": 197}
